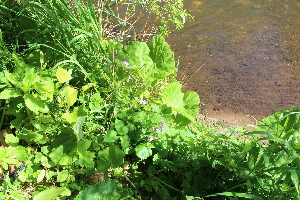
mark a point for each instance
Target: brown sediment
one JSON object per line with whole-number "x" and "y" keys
{"x": 251, "y": 55}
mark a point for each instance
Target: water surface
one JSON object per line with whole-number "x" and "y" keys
{"x": 241, "y": 56}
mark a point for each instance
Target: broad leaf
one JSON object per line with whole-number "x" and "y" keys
{"x": 70, "y": 94}
{"x": 35, "y": 104}
{"x": 62, "y": 175}
{"x": 111, "y": 136}
{"x": 12, "y": 79}
{"x": 29, "y": 79}
{"x": 137, "y": 55}
{"x": 78, "y": 127}
{"x": 184, "y": 103}
{"x": 49, "y": 194}
{"x": 191, "y": 104}
{"x": 45, "y": 88}
{"x": 6, "y": 94}
{"x": 162, "y": 56}
{"x": 143, "y": 151}
{"x": 172, "y": 95}
{"x": 110, "y": 157}
{"x": 73, "y": 116}
{"x": 121, "y": 128}
{"x": 62, "y": 75}
{"x": 86, "y": 159}
{"x": 103, "y": 190}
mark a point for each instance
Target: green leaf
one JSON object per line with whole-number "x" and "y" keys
{"x": 64, "y": 147}
{"x": 110, "y": 157}
{"x": 162, "y": 56}
{"x": 101, "y": 191}
{"x": 39, "y": 126}
{"x": 191, "y": 103}
{"x": 62, "y": 175}
{"x": 87, "y": 86}
{"x": 70, "y": 94}
{"x": 49, "y": 194}
{"x": 187, "y": 104}
{"x": 282, "y": 123}
{"x": 78, "y": 127}
{"x": 72, "y": 117}
{"x": 137, "y": 55}
{"x": 95, "y": 102}
{"x": 111, "y": 136}
{"x": 45, "y": 162}
{"x": 29, "y": 79}
{"x": 295, "y": 178}
{"x": 234, "y": 194}
{"x": 172, "y": 95}
{"x": 6, "y": 94}
{"x": 41, "y": 175}
{"x": 143, "y": 151}
{"x": 17, "y": 195}
{"x": 86, "y": 159}
{"x": 45, "y": 88}
{"x": 121, "y": 128}
{"x": 125, "y": 142}
{"x": 35, "y": 104}
{"x": 20, "y": 153}
{"x": 29, "y": 135}
{"x": 163, "y": 193}
{"x": 62, "y": 75}
{"x": 12, "y": 79}
{"x": 11, "y": 140}
{"x": 83, "y": 145}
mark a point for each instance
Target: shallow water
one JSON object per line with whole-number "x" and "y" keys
{"x": 242, "y": 57}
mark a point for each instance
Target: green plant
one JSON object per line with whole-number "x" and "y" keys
{"x": 105, "y": 190}
{"x": 69, "y": 131}
{"x": 80, "y": 104}
{"x": 263, "y": 171}
{"x": 8, "y": 190}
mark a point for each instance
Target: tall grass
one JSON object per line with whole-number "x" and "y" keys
{"x": 67, "y": 33}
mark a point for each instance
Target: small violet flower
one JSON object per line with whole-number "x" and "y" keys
{"x": 127, "y": 64}
{"x": 151, "y": 138}
{"x": 162, "y": 126}
{"x": 142, "y": 101}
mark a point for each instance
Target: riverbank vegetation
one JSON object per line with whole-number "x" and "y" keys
{"x": 86, "y": 116}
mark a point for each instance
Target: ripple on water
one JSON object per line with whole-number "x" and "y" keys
{"x": 251, "y": 53}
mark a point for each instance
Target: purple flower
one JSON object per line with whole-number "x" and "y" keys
{"x": 127, "y": 64}
{"x": 142, "y": 101}
{"x": 151, "y": 138}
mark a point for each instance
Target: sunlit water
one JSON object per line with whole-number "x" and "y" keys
{"x": 241, "y": 56}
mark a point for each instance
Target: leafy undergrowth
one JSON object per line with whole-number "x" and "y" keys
{"x": 76, "y": 105}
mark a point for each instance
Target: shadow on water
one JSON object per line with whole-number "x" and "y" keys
{"x": 249, "y": 50}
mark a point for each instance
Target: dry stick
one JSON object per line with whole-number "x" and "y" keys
{"x": 194, "y": 73}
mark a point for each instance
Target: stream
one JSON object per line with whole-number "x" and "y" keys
{"x": 241, "y": 56}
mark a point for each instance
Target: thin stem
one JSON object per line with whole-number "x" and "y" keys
{"x": 2, "y": 117}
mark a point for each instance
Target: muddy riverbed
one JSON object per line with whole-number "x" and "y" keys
{"x": 242, "y": 57}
